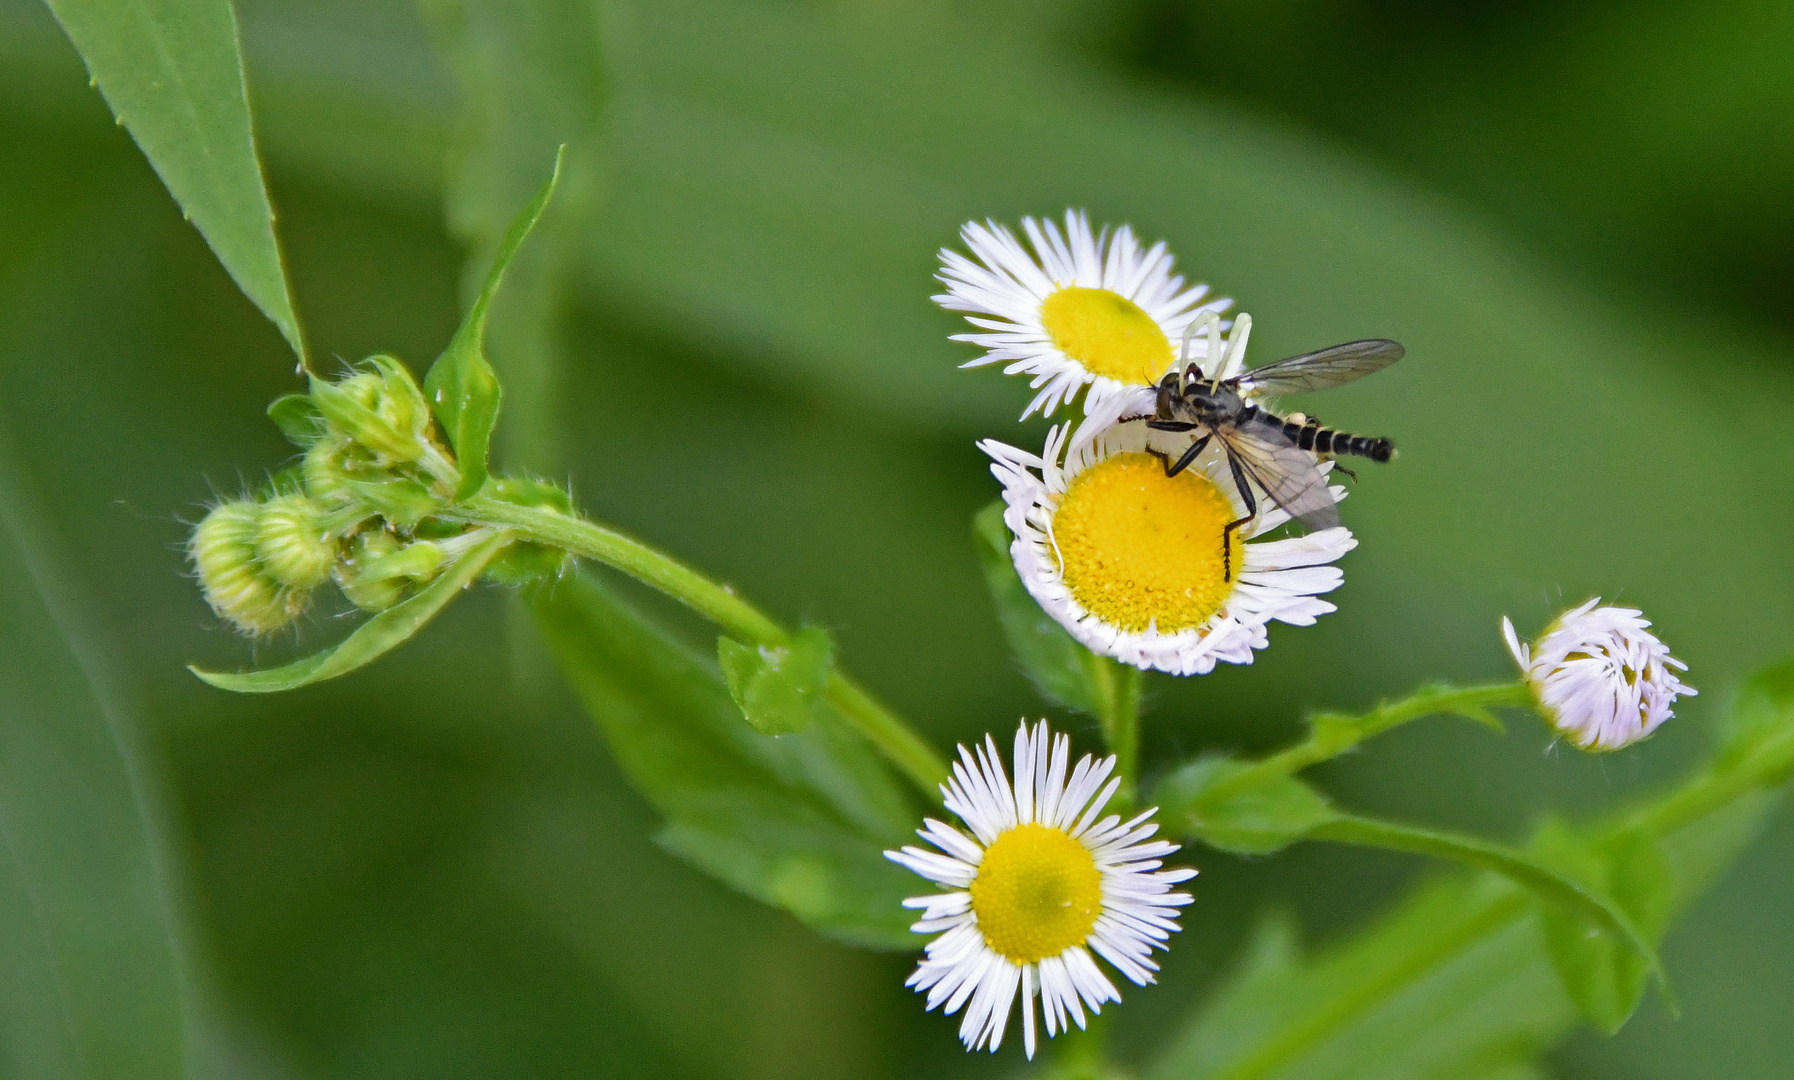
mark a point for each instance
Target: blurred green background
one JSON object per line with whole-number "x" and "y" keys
{"x": 1576, "y": 216}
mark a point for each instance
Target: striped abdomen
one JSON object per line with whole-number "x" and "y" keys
{"x": 1308, "y": 433}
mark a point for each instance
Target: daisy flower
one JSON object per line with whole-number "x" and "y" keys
{"x": 1137, "y": 565}
{"x": 1599, "y": 675}
{"x": 1081, "y": 308}
{"x": 1038, "y": 885}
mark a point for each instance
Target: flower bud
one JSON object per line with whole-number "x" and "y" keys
{"x": 365, "y": 591}
{"x": 223, "y": 550}
{"x": 1600, "y": 677}
{"x": 323, "y": 471}
{"x": 290, "y": 543}
{"x": 383, "y": 410}
{"x": 401, "y": 402}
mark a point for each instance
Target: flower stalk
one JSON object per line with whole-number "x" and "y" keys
{"x": 719, "y": 603}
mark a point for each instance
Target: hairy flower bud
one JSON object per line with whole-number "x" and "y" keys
{"x": 291, "y": 544}
{"x": 365, "y": 591}
{"x": 382, "y": 410}
{"x": 223, "y": 550}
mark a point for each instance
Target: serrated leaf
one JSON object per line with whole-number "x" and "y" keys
{"x": 799, "y": 822}
{"x": 1059, "y": 667}
{"x": 777, "y": 687}
{"x": 462, "y": 387}
{"x": 90, "y": 980}
{"x": 1604, "y": 976}
{"x": 1254, "y": 820}
{"x": 372, "y": 639}
{"x": 172, "y": 74}
{"x": 298, "y": 418}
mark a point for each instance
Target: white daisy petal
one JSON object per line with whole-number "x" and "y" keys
{"x": 1599, "y": 675}
{"x": 1005, "y": 286}
{"x": 1078, "y": 513}
{"x": 998, "y": 941}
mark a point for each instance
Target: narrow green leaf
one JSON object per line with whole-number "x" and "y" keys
{"x": 90, "y": 979}
{"x": 1604, "y": 975}
{"x": 1060, "y": 668}
{"x": 372, "y": 639}
{"x": 532, "y": 79}
{"x": 1255, "y": 820}
{"x": 1581, "y": 902}
{"x": 298, "y": 418}
{"x": 462, "y": 386}
{"x": 171, "y": 72}
{"x": 799, "y": 822}
{"x": 777, "y": 687}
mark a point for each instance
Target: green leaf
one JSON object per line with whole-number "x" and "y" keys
{"x": 1604, "y": 975}
{"x": 1253, "y": 819}
{"x": 90, "y": 979}
{"x": 532, "y": 79}
{"x": 1759, "y": 731}
{"x": 298, "y": 418}
{"x": 1452, "y": 983}
{"x": 1456, "y": 981}
{"x": 1580, "y": 901}
{"x": 372, "y": 639}
{"x": 799, "y": 822}
{"x": 171, "y": 73}
{"x": 777, "y": 687}
{"x": 1060, "y": 668}
{"x": 462, "y": 387}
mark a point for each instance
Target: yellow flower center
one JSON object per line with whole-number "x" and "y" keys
{"x": 1140, "y": 548}
{"x": 1037, "y": 893}
{"x": 1107, "y": 333}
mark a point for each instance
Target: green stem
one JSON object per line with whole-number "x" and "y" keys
{"x": 1332, "y": 734}
{"x": 716, "y": 602}
{"x": 1484, "y": 855}
{"x": 1118, "y": 709}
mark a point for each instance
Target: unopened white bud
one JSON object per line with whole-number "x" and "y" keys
{"x": 1600, "y": 676}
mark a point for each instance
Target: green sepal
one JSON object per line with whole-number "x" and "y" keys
{"x": 298, "y": 418}
{"x": 1060, "y": 669}
{"x": 1602, "y": 973}
{"x": 1202, "y": 800}
{"x": 372, "y": 639}
{"x": 799, "y": 822}
{"x": 777, "y": 686}
{"x": 462, "y": 387}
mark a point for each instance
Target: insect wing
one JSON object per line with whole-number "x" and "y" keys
{"x": 1286, "y": 472}
{"x": 1321, "y": 370}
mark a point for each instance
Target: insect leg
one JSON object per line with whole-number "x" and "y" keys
{"x": 1190, "y": 456}
{"x": 1171, "y": 425}
{"x": 1245, "y": 489}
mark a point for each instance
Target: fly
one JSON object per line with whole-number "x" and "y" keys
{"x": 1277, "y": 454}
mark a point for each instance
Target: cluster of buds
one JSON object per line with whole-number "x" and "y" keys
{"x": 359, "y": 509}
